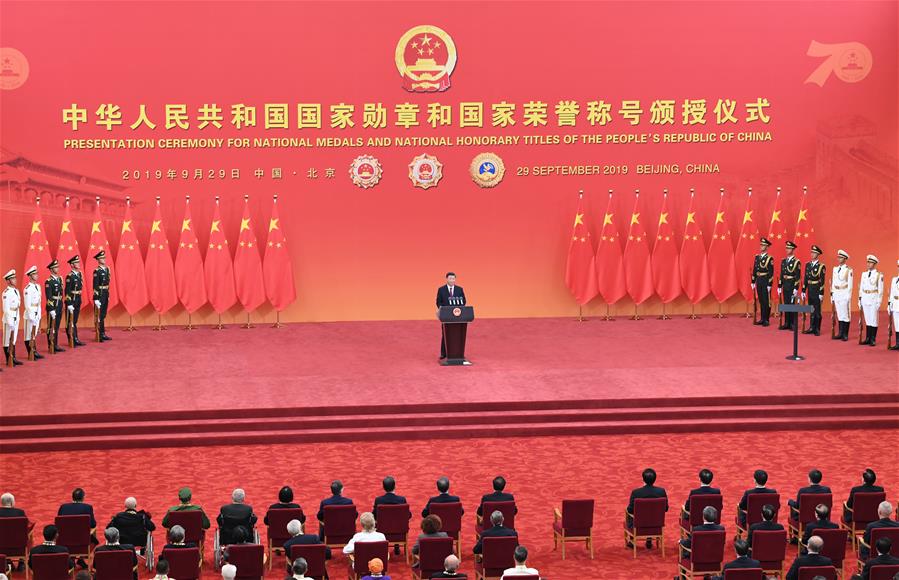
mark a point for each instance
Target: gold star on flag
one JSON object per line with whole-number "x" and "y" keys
{"x": 607, "y": 220}
{"x": 719, "y": 217}
{"x": 775, "y": 217}
{"x": 126, "y": 226}
{"x": 578, "y": 219}
{"x": 273, "y": 224}
{"x": 156, "y": 227}
{"x": 691, "y": 217}
{"x": 244, "y": 224}
{"x": 65, "y": 226}
{"x": 185, "y": 225}
{"x": 747, "y": 216}
{"x": 35, "y": 227}
{"x": 635, "y": 218}
{"x": 95, "y": 227}
{"x": 663, "y": 218}
{"x": 215, "y": 226}
{"x": 802, "y": 215}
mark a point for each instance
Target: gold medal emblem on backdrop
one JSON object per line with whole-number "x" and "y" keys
{"x": 425, "y": 171}
{"x": 365, "y": 171}
{"x": 13, "y": 68}
{"x": 487, "y": 169}
{"x": 425, "y": 56}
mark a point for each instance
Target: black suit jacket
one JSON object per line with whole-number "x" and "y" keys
{"x": 11, "y": 512}
{"x": 743, "y": 562}
{"x": 78, "y": 509}
{"x": 333, "y": 500}
{"x": 284, "y": 506}
{"x": 881, "y": 523}
{"x": 442, "y": 498}
{"x": 132, "y": 526}
{"x": 495, "y": 496}
{"x": 494, "y": 532}
{"x": 807, "y": 560}
{"x": 880, "y": 560}
{"x": 119, "y": 548}
{"x": 701, "y": 490}
{"x": 233, "y": 515}
{"x": 646, "y": 492}
{"x": 748, "y": 492}
{"x": 448, "y": 575}
{"x": 809, "y": 530}
{"x": 864, "y": 488}
{"x": 815, "y": 488}
{"x": 304, "y": 539}
{"x": 388, "y": 499}
{"x": 764, "y": 525}
{"x": 443, "y": 295}
{"x": 49, "y": 549}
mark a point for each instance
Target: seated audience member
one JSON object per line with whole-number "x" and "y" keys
{"x": 298, "y": 569}
{"x": 741, "y": 547}
{"x": 499, "y": 484}
{"x": 430, "y": 528}
{"x": 812, "y": 558}
{"x": 709, "y": 515}
{"x": 884, "y": 558}
{"x": 49, "y": 546}
{"x": 443, "y": 485}
{"x": 498, "y": 529}
{"x": 376, "y": 570}
{"x": 521, "y": 564}
{"x": 867, "y": 486}
{"x": 229, "y": 572}
{"x": 295, "y": 529}
{"x": 814, "y": 486}
{"x": 390, "y": 497}
{"x": 335, "y": 499}
{"x": 77, "y": 507}
{"x": 184, "y": 497}
{"x": 884, "y": 510}
{"x": 113, "y": 545}
{"x": 705, "y": 488}
{"x": 8, "y": 507}
{"x": 648, "y": 491}
{"x": 162, "y": 570}
{"x": 450, "y": 567}
{"x": 133, "y": 525}
{"x": 285, "y": 502}
{"x": 241, "y": 537}
{"x": 233, "y": 515}
{"x": 767, "y": 523}
{"x": 176, "y": 539}
{"x": 368, "y": 533}
{"x": 822, "y": 512}
{"x": 761, "y": 479}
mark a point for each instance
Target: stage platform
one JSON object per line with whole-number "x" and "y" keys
{"x": 381, "y": 380}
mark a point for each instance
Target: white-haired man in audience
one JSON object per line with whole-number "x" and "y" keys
{"x": 133, "y": 525}
{"x": 450, "y": 568}
{"x": 237, "y": 513}
{"x": 8, "y": 509}
{"x": 884, "y": 510}
{"x": 298, "y": 537}
{"x": 229, "y": 572}
{"x": 812, "y": 558}
{"x": 113, "y": 544}
{"x": 368, "y": 533}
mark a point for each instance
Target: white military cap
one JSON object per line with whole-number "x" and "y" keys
{"x": 843, "y": 254}
{"x": 9, "y": 274}
{"x": 873, "y": 258}
{"x": 31, "y": 270}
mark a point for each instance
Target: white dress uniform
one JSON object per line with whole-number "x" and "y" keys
{"x": 33, "y": 308}
{"x": 841, "y": 291}
{"x": 12, "y": 301}
{"x": 870, "y": 295}
{"x": 893, "y": 306}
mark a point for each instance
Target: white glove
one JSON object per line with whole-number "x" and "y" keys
{"x": 753, "y": 286}
{"x": 70, "y": 308}
{"x": 779, "y": 291}
{"x": 53, "y": 314}
{"x": 803, "y": 295}
{"x": 97, "y": 303}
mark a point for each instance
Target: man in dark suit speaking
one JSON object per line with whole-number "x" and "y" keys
{"x": 449, "y": 295}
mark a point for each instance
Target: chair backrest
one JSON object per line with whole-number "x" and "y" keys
{"x": 699, "y": 502}
{"x": 365, "y": 551}
{"x": 340, "y": 523}
{"x": 754, "y": 504}
{"x": 807, "y": 504}
{"x": 864, "y": 506}
{"x": 577, "y": 514}
{"x": 315, "y": 556}
{"x": 450, "y": 514}
{"x": 498, "y": 552}
{"x": 809, "y": 572}
{"x": 885, "y": 572}
{"x": 743, "y": 574}
{"x": 248, "y": 558}
{"x": 707, "y": 547}
{"x": 649, "y": 514}
{"x": 184, "y": 563}
{"x": 769, "y": 547}
{"x": 431, "y": 554}
{"x": 50, "y": 566}
{"x": 891, "y": 533}
{"x": 113, "y": 564}
{"x": 393, "y": 519}
{"x": 277, "y": 524}
{"x": 507, "y": 508}
{"x": 834, "y": 543}
{"x": 74, "y": 533}
{"x": 13, "y": 536}
{"x": 2, "y": 562}
{"x": 191, "y": 521}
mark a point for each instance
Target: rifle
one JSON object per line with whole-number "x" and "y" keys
{"x": 890, "y": 332}
{"x": 70, "y": 328}
{"x": 755, "y": 307}
{"x": 804, "y": 314}
{"x": 34, "y": 332}
{"x": 833, "y": 317}
{"x": 51, "y": 339}
{"x": 96, "y": 323}
{"x": 777, "y": 302}
{"x": 861, "y": 323}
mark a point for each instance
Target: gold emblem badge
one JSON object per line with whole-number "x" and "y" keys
{"x": 457, "y": 312}
{"x": 425, "y": 171}
{"x": 365, "y": 171}
{"x": 425, "y": 57}
{"x": 487, "y": 169}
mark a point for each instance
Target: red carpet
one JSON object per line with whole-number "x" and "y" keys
{"x": 541, "y": 472}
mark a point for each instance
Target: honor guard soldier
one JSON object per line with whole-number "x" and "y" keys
{"x": 74, "y": 285}
{"x": 11, "y": 303}
{"x": 893, "y": 307}
{"x": 762, "y": 278}
{"x": 788, "y": 284}
{"x": 101, "y": 293}
{"x": 813, "y": 289}
{"x": 32, "y": 295}
{"x": 870, "y": 295}
{"x": 53, "y": 289}
{"x": 841, "y": 294}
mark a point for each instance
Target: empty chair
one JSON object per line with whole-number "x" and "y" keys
{"x": 573, "y": 523}
{"x": 315, "y": 556}
{"x": 705, "y": 554}
{"x": 363, "y": 553}
{"x": 75, "y": 534}
{"x": 648, "y": 523}
{"x": 393, "y": 522}
{"x": 887, "y": 572}
{"x": 809, "y": 572}
{"x": 754, "y": 504}
{"x": 507, "y": 508}
{"x": 431, "y": 554}
{"x": 15, "y": 537}
{"x": 497, "y": 555}
{"x": 51, "y": 566}
{"x": 113, "y": 564}
{"x": 696, "y": 504}
{"x": 249, "y": 560}
{"x": 184, "y": 563}
{"x": 276, "y": 523}
{"x": 805, "y": 514}
{"x": 450, "y": 515}
{"x": 744, "y": 574}
{"x": 770, "y": 548}
{"x": 340, "y": 524}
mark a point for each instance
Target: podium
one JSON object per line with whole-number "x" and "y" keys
{"x": 454, "y": 319}
{"x": 797, "y": 308}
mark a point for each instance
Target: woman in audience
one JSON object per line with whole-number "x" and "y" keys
{"x": 285, "y": 502}
{"x": 368, "y": 533}
{"x": 430, "y": 528}
{"x": 376, "y": 570}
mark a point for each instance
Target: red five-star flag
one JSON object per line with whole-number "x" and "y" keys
{"x": 694, "y": 265}
{"x": 68, "y": 246}
{"x": 248, "y": 264}
{"x": 98, "y": 242}
{"x": 747, "y": 246}
{"x": 665, "y": 271}
{"x": 160, "y": 269}
{"x": 130, "y": 275}
{"x": 189, "y": 266}
{"x": 777, "y": 233}
{"x": 637, "y": 268}
{"x": 609, "y": 265}
{"x": 218, "y": 267}
{"x": 277, "y": 271}
{"x": 805, "y": 231}
{"x": 580, "y": 267}
{"x": 722, "y": 275}
{"x": 38, "y": 248}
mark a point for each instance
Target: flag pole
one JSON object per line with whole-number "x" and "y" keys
{"x": 636, "y": 315}
{"x": 664, "y": 316}
{"x": 159, "y": 325}
{"x": 190, "y": 325}
{"x": 247, "y": 325}
{"x": 277, "y": 323}
{"x": 609, "y": 317}
{"x": 692, "y": 305}
{"x": 754, "y": 304}
{"x": 720, "y": 314}
{"x": 580, "y": 313}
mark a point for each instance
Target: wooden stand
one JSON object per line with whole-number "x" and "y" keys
{"x": 608, "y": 317}
{"x": 159, "y": 325}
{"x": 219, "y": 326}
{"x": 130, "y": 327}
{"x": 636, "y": 315}
{"x": 189, "y": 326}
{"x": 693, "y": 312}
{"x": 720, "y": 314}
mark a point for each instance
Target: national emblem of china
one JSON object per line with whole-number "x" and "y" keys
{"x": 487, "y": 169}
{"x": 425, "y": 57}
{"x": 425, "y": 171}
{"x": 365, "y": 171}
